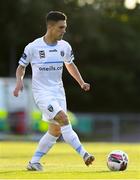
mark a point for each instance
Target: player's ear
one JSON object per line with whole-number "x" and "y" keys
{"x": 50, "y": 24}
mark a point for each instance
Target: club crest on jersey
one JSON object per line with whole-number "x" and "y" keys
{"x": 50, "y": 108}
{"x": 42, "y": 54}
{"x": 62, "y": 53}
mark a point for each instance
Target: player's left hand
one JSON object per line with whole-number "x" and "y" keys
{"x": 85, "y": 86}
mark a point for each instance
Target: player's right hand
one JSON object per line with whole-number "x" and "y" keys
{"x": 18, "y": 88}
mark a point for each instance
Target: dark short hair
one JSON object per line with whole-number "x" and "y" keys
{"x": 55, "y": 16}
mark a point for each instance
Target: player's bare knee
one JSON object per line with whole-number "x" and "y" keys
{"x": 62, "y": 118}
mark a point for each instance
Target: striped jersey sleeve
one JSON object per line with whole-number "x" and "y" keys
{"x": 26, "y": 56}
{"x": 69, "y": 55}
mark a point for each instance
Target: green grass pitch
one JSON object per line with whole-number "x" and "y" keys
{"x": 62, "y": 162}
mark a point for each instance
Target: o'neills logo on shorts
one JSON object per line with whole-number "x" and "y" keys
{"x": 50, "y": 68}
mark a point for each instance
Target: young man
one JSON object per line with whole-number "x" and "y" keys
{"x": 46, "y": 56}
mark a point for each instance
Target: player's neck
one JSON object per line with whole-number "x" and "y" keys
{"x": 49, "y": 40}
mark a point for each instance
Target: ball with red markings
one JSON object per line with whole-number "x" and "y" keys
{"x": 117, "y": 160}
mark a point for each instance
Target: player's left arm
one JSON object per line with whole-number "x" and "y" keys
{"x": 74, "y": 72}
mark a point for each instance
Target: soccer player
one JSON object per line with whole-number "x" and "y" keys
{"x": 47, "y": 55}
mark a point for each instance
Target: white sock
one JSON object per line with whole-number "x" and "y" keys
{"x": 45, "y": 144}
{"x": 71, "y": 137}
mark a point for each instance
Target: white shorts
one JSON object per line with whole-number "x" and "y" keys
{"x": 50, "y": 106}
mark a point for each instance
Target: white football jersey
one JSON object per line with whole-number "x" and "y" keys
{"x": 47, "y": 65}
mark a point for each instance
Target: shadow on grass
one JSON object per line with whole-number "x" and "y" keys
{"x": 12, "y": 171}
{"x": 49, "y": 172}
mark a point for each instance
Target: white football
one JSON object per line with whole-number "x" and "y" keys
{"x": 117, "y": 160}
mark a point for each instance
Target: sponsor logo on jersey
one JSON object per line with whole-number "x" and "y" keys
{"x": 50, "y": 108}
{"x": 42, "y": 54}
{"x": 50, "y": 68}
{"x": 62, "y": 53}
{"x": 24, "y": 56}
{"x": 53, "y": 50}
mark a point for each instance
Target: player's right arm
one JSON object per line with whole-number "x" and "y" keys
{"x": 20, "y": 72}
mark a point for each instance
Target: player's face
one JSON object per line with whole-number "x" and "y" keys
{"x": 59, "y": 29}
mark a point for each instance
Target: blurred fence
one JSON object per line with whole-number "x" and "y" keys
{"x": 115, "y": 127}
{"x": 21, "y": 116}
